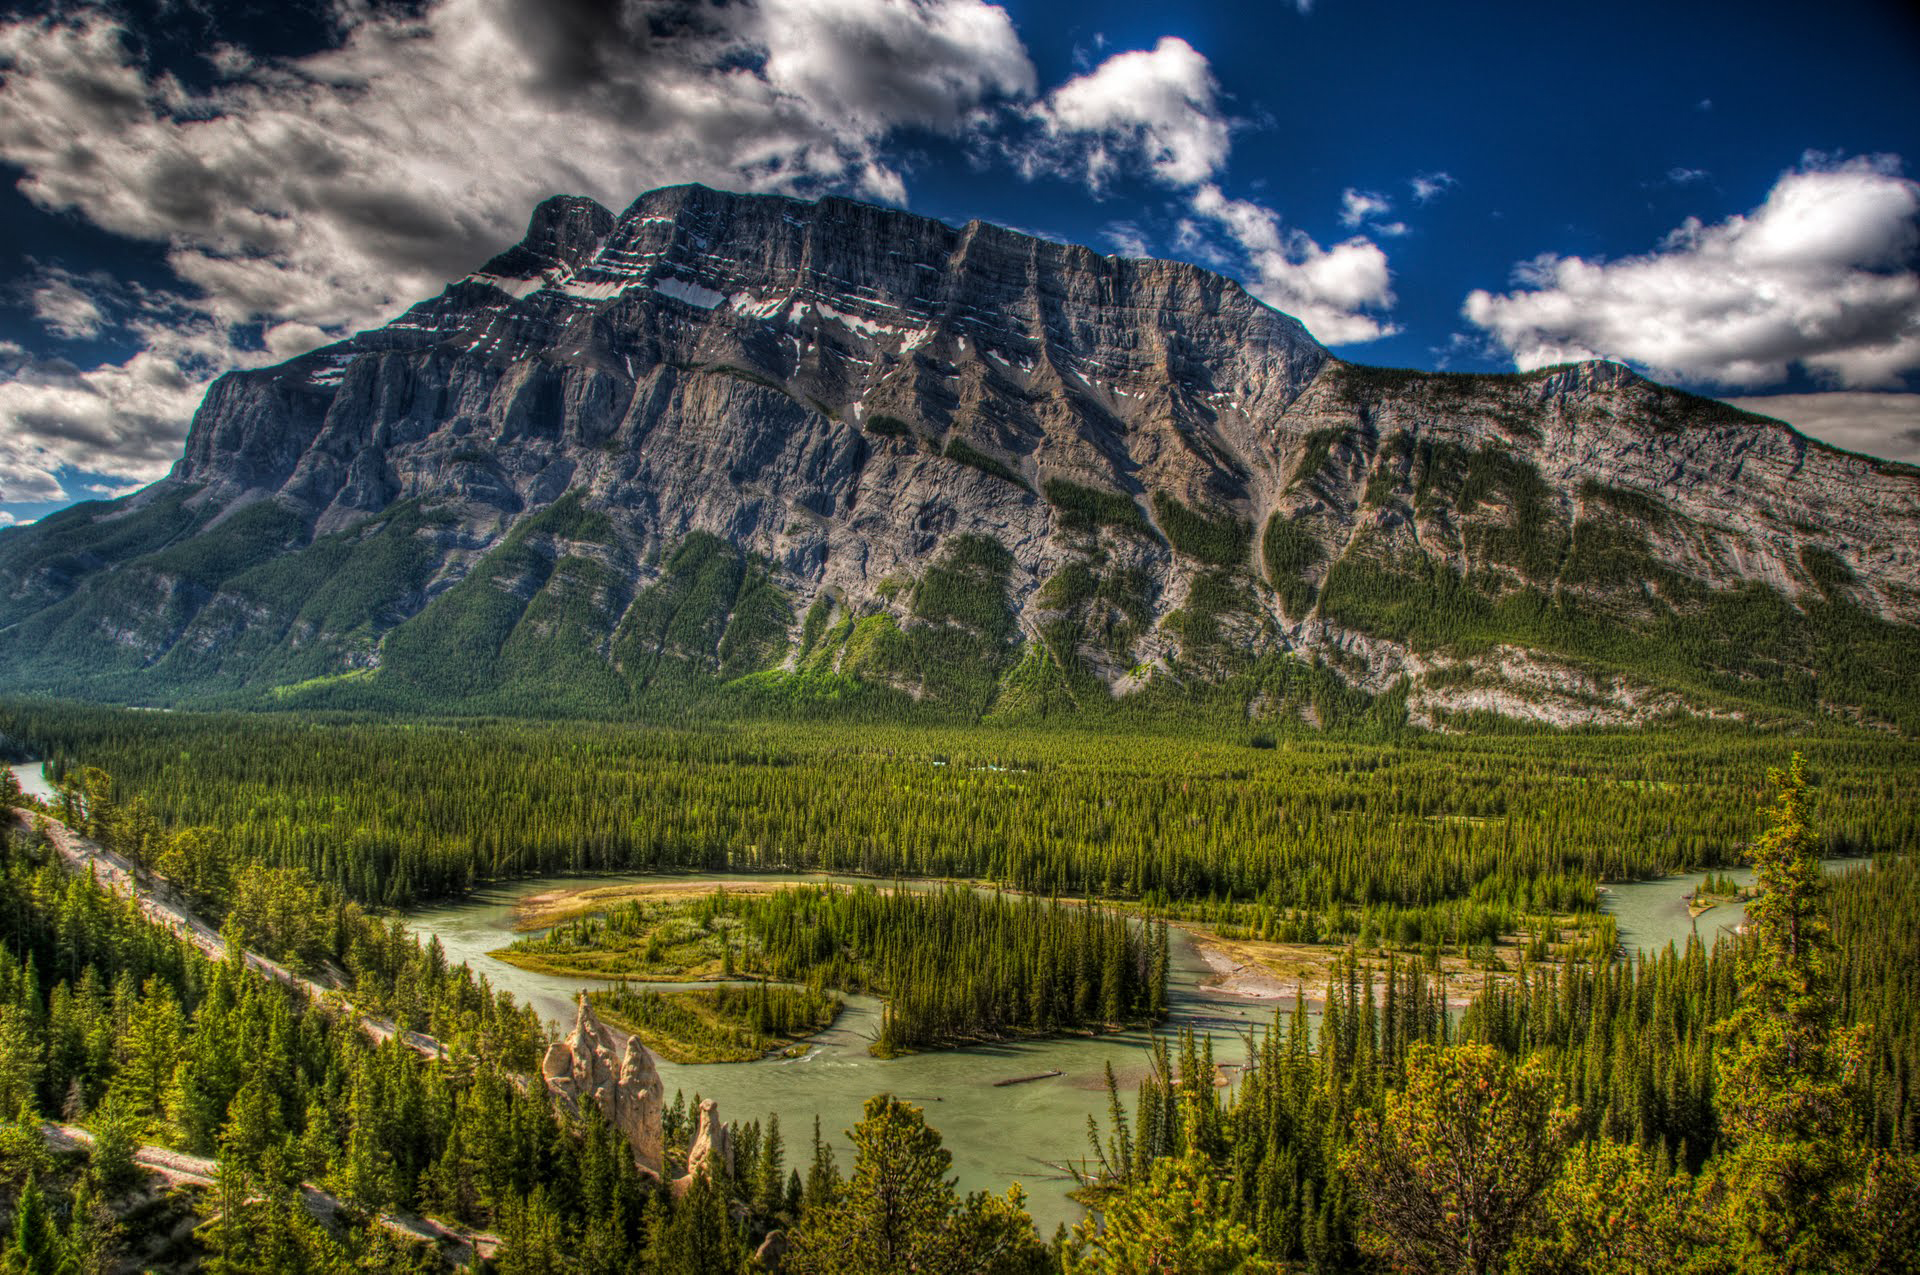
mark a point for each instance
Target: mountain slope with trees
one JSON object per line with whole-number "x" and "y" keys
{"x": 765, "y": 455}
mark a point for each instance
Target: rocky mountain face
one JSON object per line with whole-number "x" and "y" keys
{"x": 747, "y": 448}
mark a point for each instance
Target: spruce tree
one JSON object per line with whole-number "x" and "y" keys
{"x": 1785, "y": 1066}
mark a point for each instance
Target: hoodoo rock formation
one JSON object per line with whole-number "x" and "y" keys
{"x": 710, "y": 1150}
{"x": 586, "y": 1065}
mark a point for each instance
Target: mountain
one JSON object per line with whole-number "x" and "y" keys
{"x": 834, "y": 457}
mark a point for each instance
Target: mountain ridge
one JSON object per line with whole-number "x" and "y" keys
{"x": 830, "y": 452}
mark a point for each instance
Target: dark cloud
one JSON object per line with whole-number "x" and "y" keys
{"x": 314, "y": 181}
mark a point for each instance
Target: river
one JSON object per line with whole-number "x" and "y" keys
{"x": 33, "y": 780}
{"x": 1653, "y": 913}
{"x": 997, "y": 1135}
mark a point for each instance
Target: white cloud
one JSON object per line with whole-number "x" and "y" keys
{"x": 320, "y": 195}
{"x": 1152, "y": 109}
{"x": 1820, "y": 276}
{"x": 1687, "y": 176}
{"x": 1127, "y": 238}
{"x": 1157, "y": 112}
{"x": 1357, "y": 206}
{"x": 878, "y": 64}
{"x": 1426, "y": 185}
{"x": 1330, "y": 290}
{"x": 64, "y": 308}
{"x": 8, "y": 520}
{"x": 1885, "y": 425}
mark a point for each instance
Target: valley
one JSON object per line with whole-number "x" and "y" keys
{"x": 942, "y": 637}
{"x": 230, "y": 801}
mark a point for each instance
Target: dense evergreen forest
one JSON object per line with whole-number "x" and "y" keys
{"x": 954, "y": 964}
{"x": 1749, "y": 1108}
{"x": 717, "y": 1024}
{"x": 1746, "y": 1108}
{"x": 396, "y": 812}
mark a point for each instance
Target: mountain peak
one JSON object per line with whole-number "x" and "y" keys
{"x": 562, "y": 233}
{"x": 724, "y": 437}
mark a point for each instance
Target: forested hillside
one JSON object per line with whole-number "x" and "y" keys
{"x": 1641, "y": 1111}
{"x": 395, "y": 812}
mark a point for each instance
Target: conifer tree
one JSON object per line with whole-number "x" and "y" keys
{"x": 1451, "y": 1172}
{"x": 897, "y": 1210}
{"x": 1785, "y": 1067}
{"x": 36, "y": 1248}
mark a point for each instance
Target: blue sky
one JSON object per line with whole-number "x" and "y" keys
{"x": 1721, "y": 196}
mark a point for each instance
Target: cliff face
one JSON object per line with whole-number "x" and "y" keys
{"x": 833, "y": 450}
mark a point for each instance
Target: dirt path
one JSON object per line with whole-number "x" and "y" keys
{"x": 177, "y": 1169}
{"x": 165, "y": 905}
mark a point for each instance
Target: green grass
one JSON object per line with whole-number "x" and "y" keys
{"x": 717, "y": 1025}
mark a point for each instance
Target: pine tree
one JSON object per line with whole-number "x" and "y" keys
{"x": 1451, "y": 1172}
{"x": 36, "y": 1247}
{"x": 1786, "y": 1068}
{"x": 897, "y": 1210}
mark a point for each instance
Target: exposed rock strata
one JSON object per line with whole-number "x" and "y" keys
{"x": 842, "y": 392}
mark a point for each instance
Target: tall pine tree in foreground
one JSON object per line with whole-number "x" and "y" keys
{"x": 1786, "y": 1068}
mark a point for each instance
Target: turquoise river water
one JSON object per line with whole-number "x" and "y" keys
{"x": 1021, "y": 1133}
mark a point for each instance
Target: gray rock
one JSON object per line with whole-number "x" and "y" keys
{"x": 587, "y": 1066}
{"x": 797, "y": 379}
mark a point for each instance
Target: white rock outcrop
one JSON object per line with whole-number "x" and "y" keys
{"x": 587, "y": 1065}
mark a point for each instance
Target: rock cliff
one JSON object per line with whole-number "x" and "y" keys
{"x": 828, "y": 452}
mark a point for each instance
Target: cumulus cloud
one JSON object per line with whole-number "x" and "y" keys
{"x": 1426, "y": 185}
{"x": 1152, "y": 108}
{"x": 1157, "y": 112}
{"x": 65, "y": 306}
{"x": 1357, "y": 206}
{"x": 1331, "y": 290}
{"x": 319, "y": 195}
{"x": 1821, "y": 276}
{"x": 1877, "y": 424}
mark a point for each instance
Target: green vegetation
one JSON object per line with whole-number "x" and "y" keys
{"x": 958, "y": 449}
{"x": 1747, "y": 645}
{"x": 1220, "y": 540}
{"x": 1726, "y": 1105}
{"x": 888, "y": 426}
{"x": 1315, "y": 449}
{"x": 955, "y": 964}
{"x": 1716, "y": 1111}
{"x": 1289, "y": 549}
{"x": 898, "y": 1211}
{"x": 391, "y": 813}
{"x": 123, "y": 1027}
{"x": 1090, "y": 508}
{"x": 718, "y": 1024}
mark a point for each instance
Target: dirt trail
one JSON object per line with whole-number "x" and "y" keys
{"x": 177, "y": 1169}
{"x": 162, "y": 903}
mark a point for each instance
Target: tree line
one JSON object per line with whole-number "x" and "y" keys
{"x": 394, "y": 813}
{"x": 955, "y": 964}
